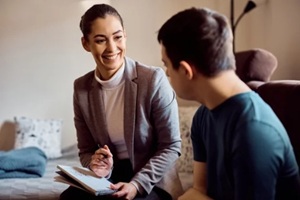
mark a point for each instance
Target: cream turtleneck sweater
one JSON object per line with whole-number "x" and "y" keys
{"x": 113, "y": 94}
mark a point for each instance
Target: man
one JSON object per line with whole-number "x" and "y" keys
{"x": 241, "y": 149}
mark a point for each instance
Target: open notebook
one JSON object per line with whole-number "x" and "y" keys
{"x": 84, "y": 179}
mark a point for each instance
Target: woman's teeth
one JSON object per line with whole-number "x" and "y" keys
{"x": 111, "y": 57}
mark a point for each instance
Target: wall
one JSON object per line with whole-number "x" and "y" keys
{"x": 274, "y": 26}
{"x": 41, "y": 54}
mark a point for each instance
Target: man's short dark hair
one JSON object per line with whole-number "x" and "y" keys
{"x": 200, "y": 37}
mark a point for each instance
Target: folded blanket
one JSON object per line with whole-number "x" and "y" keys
{"x": 29, "y": 162}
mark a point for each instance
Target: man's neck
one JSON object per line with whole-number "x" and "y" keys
{"x": 216, "y": 90}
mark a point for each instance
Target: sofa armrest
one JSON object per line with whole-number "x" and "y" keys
{"x": 254, "y": 85}
{"x": 255, "y": 64}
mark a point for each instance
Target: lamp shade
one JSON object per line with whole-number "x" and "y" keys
{"x": 250, "y": 5}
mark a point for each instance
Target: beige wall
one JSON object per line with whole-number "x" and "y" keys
{"x": 274, "y": 25}
{"x": 41, "y": 54}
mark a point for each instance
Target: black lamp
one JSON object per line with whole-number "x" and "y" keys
{"x": 249, "y": 6}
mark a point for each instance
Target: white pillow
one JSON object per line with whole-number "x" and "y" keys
{"x": 42, "y": 133}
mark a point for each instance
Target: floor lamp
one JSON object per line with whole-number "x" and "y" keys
{"x": 249, "y": 6}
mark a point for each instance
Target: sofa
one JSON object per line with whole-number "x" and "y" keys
{"x": 185, "y": 161}
{"x": 255, "y": 67}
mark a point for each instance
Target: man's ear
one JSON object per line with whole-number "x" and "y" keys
{"x": 187, "y": 69}
{"x": 85, "y": 44}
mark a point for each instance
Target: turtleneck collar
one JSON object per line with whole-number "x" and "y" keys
{"x": 114, "y": 81}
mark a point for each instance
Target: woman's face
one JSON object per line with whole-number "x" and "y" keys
{"x": 107, "y": 43}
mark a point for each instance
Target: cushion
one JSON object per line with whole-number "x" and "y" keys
{"x": 42, "y": 133}
{"x": 255, "y": 64}
{"x": 185, "y": 161}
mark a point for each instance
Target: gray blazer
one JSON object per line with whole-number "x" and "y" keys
{"x": 151, "y": 124}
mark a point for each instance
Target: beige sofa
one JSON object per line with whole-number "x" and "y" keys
{"x": 185, "y": 161}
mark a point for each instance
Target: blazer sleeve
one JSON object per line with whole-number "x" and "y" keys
{"x": 86, "y": 143}
{"x": 164, "y": 119}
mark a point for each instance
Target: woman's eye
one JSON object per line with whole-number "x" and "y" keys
{"x": 118, "y": 37}
{"x": 99, "y": 41}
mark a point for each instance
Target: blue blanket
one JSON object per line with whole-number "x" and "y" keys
{"x": 29, "y": 162}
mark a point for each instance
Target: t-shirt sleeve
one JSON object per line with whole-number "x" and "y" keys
{"x": 258, "y": 150}
{"x": 199, "y": 149}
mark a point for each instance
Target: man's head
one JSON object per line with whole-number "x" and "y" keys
{"x": 200, "y": 37}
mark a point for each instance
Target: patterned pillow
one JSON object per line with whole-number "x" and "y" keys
{"x": 185, "y": 161}
{"x": 44, "y": 134}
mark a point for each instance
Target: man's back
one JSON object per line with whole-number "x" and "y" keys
{"x": 246, "y": 149}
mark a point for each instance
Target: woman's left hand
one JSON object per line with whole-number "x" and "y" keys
{"x": 124, "y": 190}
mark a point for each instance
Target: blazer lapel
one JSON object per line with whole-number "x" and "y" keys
{"x": 130, "y": 98}
{"x": 98, "y": 115}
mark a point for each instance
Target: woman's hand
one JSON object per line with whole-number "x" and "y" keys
{"x": 125, "y": 191}
{"x": 193, "y": 194}
{"x": 102, "y": 162}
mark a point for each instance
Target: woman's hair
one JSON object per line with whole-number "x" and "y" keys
{"x": 96, "y": 11}
{"x": 200, "y": 37}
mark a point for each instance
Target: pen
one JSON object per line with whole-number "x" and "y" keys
{"x": 104, "y": 155}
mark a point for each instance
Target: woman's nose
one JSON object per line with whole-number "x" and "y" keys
{"x": 111, "y": 45}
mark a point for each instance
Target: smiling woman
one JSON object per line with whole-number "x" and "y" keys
{"x": 105, "y": 39}
{"x": 124, "y": 107}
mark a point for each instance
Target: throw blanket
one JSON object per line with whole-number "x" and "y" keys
{"x": 29, "y": 162}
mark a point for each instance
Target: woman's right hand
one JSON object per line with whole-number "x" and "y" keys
{"x": 102, "y": 162}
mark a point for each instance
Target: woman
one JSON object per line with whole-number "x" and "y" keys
{"x": 126, "y": 116}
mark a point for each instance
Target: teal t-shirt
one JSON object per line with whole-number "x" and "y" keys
{"x": 247, "y": 150}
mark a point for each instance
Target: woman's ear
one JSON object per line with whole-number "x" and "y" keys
{"x": 124, "y": 32}
{"x": 125, "y": 35}
{"x": 187, "y": 69}
{"x": 85, "y": 44}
